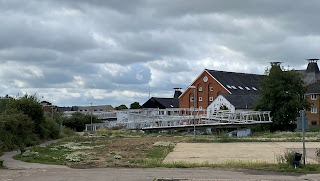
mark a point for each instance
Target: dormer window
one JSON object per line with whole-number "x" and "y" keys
{"x": 313, "y": 97}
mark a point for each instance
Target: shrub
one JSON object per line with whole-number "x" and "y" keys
{"x": 286, "y": 159}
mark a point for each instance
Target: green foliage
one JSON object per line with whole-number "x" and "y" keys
{"x": 29, "y": 105}
{"x": 78, "y": 120}
{"x": 135, "y": 105}
{"x": 121, "y": 107}
{"x": 286, "y": 159}
{"x": 1, "y": 164}
{"x": 282, "y": 93}
{"x": 223, "y": 107}
{"x": 16, "y": 130}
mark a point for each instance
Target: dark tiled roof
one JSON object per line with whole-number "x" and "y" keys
{"x": 64, "y": 109}
{"x": 241, "y": 101}
{"x": 162, "y": 103}
{"x": 311, "y": 74}
{"x": 314, "y": 88}
{"x": 235, "y": 81}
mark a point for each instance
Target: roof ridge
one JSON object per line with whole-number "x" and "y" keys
{"x": 234, "y": 72}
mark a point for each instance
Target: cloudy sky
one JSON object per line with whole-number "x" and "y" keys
{"x": 73, "y": 52}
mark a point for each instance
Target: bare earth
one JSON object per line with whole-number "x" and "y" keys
{"x": 21, "y": 171}
{"x": 249, "y": 151}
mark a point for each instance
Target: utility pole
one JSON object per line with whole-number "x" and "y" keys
{"x": 91, "y": 116}
{"x": 302, "y": 114}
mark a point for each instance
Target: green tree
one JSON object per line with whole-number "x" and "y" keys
{"x": 16, "y": 130}
{"x": 30, "y": 105}
{"x": 121, "y": 107}
{"x": 78, "y": 120}
{"x": 282, "y": 93}
{"x": 135, "y": 105}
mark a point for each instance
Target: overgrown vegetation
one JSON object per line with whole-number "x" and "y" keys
{"x": 22, "y": 123}
{"x": 78, "y": 120}
{"x": 282, "y": 93}
{"x": 118, "y": 148}
{"x": 107, "y": 148}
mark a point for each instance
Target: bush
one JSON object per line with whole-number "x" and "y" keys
{"x": 78, "y": 120}
{"x": 51, "y": 129}
{"x": 286, "y": 159}
{"x": 67, "y": 132}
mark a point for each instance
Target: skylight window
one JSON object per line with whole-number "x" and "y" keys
{"x": 254, "y": 88}
{"x": 229, "y": 86}
{"x": 233, "y": 87}
{"x": 247, "y": 88}
{"x": 240, "y": 87}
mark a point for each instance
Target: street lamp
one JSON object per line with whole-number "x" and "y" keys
{"x": 91, "y": 116}
{"x": 194, "y": 110}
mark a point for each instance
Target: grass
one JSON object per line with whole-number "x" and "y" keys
{"x": 85, "y": 150}
{"x": 1, "y": 164}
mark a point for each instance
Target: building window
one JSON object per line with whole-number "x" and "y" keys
{"x": 314, "y": 123}
{"x": 313, "y": 97}
{"x": 200, "y": 108}
{"x": 191, "y": 99}
{"x": 200, "y": 89}
{"x": 200, "y": 98}
{"x": 314, "y": 110}
{"x": 211, "y": 89}
{"x": 211, "y": 99}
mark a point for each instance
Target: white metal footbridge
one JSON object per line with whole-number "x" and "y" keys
{"x": 162, "y": 119}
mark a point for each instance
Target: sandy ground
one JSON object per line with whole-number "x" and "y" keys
{"x": 250, "y": 151}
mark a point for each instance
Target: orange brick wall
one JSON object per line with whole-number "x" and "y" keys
{"x": 316, "y": 104}
{"x": 184, "y": 100}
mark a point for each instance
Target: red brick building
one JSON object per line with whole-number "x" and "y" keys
{"x": 313, "y": 96}
{"x": 211, "y": 83}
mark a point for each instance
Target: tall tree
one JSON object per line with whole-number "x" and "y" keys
{"x": 282, "y": 93}
{"x": 30, "y": 105}
{"x": 135, "y": 105}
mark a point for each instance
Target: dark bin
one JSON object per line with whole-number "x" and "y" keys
{"x": 296, "y": 159}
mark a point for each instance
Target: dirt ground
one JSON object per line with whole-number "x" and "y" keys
{"x": 127, "y": 148}
{"x": 249, "y": 151}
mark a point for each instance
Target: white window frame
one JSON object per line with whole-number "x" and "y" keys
{"x": 313, "y": 96}
{"x": 200, "y": 108}
{"x": 191, "y": 99}
{"x": 211, "y": 89}
{"x": 314, "y": 110}
{"x": 200, "y": 89}
{"x": 210, "y": 98}
{"x": 200, "y": 99}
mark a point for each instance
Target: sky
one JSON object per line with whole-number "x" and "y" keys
{"x": 73, "y": 52}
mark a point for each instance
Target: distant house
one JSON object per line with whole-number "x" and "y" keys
{"x": 64, "y": 109}
{"x": 163, "y": 103}
{"x": 311, "y": 79}
{"x": 99, "y": 108}
{"x": 313, "y": 96}
{"x": 211, "y": 83}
